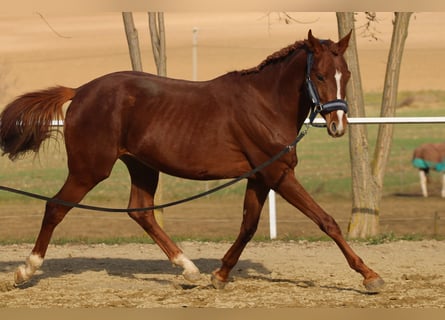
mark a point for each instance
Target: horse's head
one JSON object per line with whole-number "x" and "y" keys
{"x": 327, "y": 75}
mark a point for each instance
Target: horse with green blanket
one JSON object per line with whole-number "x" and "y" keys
{"x": 429, "y": 156}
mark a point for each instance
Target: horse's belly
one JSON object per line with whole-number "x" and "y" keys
{"x": 198, "y": 165}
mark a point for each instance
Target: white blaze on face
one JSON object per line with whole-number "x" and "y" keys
{"x": 337, "y": 81}
{"x": 340, "y": 113}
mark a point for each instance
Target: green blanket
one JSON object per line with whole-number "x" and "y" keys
{"x": 423, "y": 164}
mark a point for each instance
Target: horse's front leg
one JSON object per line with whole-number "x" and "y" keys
{"x": 423, "y": 182}
{"x": 255, "y": 196}
{"x": 291, "y": 190}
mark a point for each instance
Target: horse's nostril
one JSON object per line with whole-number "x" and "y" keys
{"x": 333, "y": 127}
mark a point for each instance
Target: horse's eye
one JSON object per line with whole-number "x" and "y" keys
{"x": 319, "y": 77}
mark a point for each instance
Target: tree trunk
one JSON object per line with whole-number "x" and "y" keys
{"x": 133, "y": 41}
{"x": 367, "y": 179}
{"x": 390, "y": 90}
{"x": 364, "y": 218}
{"x": 157, "y": 36}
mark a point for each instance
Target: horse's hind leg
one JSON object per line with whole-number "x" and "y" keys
{"x": 423, "y": 182}
{"x": 255, "y": 196}
{"x": 73, "y": 190}
{"x": 144, "y": 181}
{"x": 295, "y": 194}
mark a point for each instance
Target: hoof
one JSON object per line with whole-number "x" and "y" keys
{"x": 192, "y": 276}
{"x": 20, "y": 276}
{"x": 374, "y": 285}
{"x": 217, "y": 283}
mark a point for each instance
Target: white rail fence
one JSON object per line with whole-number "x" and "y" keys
{"x": 356, "y": 120}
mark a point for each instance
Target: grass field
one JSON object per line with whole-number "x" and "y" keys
{"x": 323, "y": 168}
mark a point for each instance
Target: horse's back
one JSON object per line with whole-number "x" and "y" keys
{"x": 178, "y": 126}
{"x": 124, "y": 96}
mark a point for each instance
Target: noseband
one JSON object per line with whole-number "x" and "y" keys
{"x": 318, "y": 107}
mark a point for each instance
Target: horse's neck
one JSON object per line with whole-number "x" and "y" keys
{"x": 283, "y": 83}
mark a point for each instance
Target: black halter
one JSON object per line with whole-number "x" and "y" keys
{"x": 318, "y": 107}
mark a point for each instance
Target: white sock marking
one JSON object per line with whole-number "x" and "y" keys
{"x": 25, "y": 272}
{"x": 191, "y": 272}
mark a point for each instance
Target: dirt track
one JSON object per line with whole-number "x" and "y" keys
{"x": 276, "y": 274}
{"x": 269, "y": 274}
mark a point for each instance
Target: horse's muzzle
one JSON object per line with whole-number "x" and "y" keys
{"x": 336, "y": 123}
{"x": 334, "y": 113}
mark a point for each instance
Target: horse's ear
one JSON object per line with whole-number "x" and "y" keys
{"x": 343, "y": 43}
{"x": 313, "y": 43}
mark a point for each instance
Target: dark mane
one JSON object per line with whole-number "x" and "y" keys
{"x": 285, "y": 52}
{"x": 275, "y": 57}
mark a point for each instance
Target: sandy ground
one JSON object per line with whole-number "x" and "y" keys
{"x": 276, "y": 274}
{"x": 272, "y": 275}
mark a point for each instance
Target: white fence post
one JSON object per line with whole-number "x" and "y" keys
{"x": 272, "y": 215}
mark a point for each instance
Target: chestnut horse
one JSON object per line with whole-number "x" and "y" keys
{"x": 214, "y": 129}
{"x": 429, "y": 156}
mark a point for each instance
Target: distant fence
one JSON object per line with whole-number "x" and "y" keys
{"x": 357, "y": 120}
{"x": 388, "y": 120}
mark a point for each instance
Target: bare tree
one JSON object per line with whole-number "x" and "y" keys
{"x": 367, "y": 175}
{"x": 157, "y": 35}
{"x": 133, "y": 41}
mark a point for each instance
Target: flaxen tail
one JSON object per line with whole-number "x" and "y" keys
{"x": 27, "y": 121}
